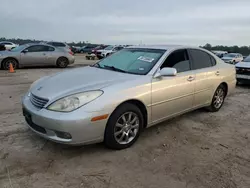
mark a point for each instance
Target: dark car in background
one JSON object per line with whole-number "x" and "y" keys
{"x": 88, "y": 48}
{"x": 2, "y": 47}
{"x": 75, "y": 49}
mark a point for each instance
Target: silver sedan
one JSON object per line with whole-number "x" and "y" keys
{"x": 36, "y": 55}
{"x": 135, "y": 88}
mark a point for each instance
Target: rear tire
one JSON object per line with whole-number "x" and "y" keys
{"x": 62, "y": 62}
{"x": 218, "y": 99}
{"x": 123, "y": 127}
{"x": 6, "y": 63}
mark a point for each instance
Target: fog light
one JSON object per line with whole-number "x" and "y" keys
{"x": 63, "y": 135}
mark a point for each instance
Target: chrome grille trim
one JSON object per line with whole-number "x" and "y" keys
{"x": 38, "y": 101}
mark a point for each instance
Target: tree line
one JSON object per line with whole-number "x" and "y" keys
{"x": 244, "y": 50}
{"x": 25, "y": 41}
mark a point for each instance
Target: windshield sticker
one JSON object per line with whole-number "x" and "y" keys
{"x": 141, "y": 69}
{"x": 147, "y": 59}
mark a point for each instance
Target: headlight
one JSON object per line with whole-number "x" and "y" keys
{"x": 75, "y": 101}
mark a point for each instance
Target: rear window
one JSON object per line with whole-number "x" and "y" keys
{"x": 200, "y": 59}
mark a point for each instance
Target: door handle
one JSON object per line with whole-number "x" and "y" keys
{"x": 217, "y": 73}
{"x": 44, "y": 53}
{"x": 190, "y": 78}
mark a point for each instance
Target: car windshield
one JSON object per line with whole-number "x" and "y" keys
{"x": 109, "y": 48}
{"x": 18, "y": 48}
{"x": 132, "y": 60}
{"x": 229, "y": 55}
{"x": 247, "y": 59}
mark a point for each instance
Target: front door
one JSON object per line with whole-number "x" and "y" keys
{"x": 172, "y": 95}
{"x": 33, "y": 56}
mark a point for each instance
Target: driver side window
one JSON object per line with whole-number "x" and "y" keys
{"x": 36, "y": 48}
{"x": 179, "y": 60}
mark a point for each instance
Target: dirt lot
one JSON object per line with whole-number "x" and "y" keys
{"x": 199, "y": 149}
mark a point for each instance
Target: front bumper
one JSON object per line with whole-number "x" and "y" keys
{"x": 51, "y": 125}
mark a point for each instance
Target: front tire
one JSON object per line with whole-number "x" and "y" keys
{"x": 123, "y": 127}
{"x": 218, "y": 99}
{"x": 6, "y": 63}
{"x": 62, "y": 62}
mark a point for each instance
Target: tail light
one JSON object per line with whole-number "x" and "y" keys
{"x": 71, "y": 53}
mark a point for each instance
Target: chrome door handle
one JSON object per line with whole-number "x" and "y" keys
{"x": 190, "y": 78}
{"x": 217, "y": 73}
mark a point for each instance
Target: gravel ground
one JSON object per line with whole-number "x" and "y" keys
{"x": 198, "y": 149}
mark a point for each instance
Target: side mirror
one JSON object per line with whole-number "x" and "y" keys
{"x": 25, "y": 51}
{"x": 166, "y": 72}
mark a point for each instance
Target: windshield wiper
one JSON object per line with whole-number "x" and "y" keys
{"x": 115, "y": 69}
{"x": 95, "y": 65}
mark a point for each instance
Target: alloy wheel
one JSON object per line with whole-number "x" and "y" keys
{"x": 126, "y": 128}
{"x": 219, "y": 98}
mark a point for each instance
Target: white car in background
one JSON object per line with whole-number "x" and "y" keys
{"x": 232, "y": 58}
{"x": 220, "y": 54}
{"x": 8, "y": 45}
{"x": 243, "y": 70}
{"x": 108, "y": 51}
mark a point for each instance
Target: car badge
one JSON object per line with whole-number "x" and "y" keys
{"x": 39, "y": 89}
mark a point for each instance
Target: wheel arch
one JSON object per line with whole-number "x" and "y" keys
{"x": 62, "y": 57}
{"x": 140, "y": 105}
{"x": 226, "y": 86}
{"x": 10, "y": 58}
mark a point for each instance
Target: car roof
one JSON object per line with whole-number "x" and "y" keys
{"x": 162, "y": 47}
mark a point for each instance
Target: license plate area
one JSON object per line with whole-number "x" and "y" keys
{"x": 28, "y": 119}
{"x": 243, "y": 76}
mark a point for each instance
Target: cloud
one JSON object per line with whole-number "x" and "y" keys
{"x": 192, "y": 22}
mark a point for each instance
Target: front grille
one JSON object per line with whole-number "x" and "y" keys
{"x": 99, "y": 53}
{"x": 244, "y": 71}
{"x": 38, "y": 101}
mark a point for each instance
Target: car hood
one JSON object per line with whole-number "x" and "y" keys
{"x": 78, "y": 80}
{"x": 227, "y": 58}
{"x": 243, "y": 65}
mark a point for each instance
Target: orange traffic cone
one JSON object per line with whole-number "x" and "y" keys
{"x": 11, "y": 69}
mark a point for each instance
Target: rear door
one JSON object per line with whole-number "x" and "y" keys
{"x": 33, "y": 55}
{"x": 206, "y": 76}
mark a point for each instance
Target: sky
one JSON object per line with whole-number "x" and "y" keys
{"x": 189, "y": 22}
